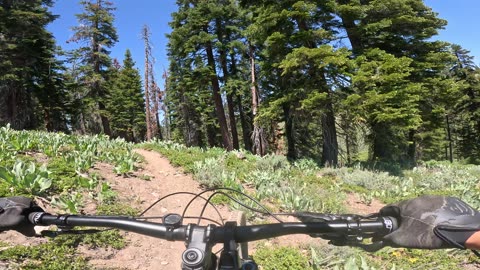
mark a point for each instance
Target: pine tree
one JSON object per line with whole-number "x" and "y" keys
{"x": 292, "y": 37}
{"x": 193, "y": 36}
{"x": 30, "y": 84}
{"x": 97, "y": 31}
{"x": 402, "y": 29}
{"x": 126, "y": 102}
{"x": 465, "y": 114}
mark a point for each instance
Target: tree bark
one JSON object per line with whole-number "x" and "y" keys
{"x": 351, "y": 29}
{"x": 259, "y": 142}
{"x": 97, "y": 87}
{"x": 230, "y": 102}
{"x": 246, "y": 126}
{"x": 329, "y": 132}
{"x": 156, "y": 100}
{"x": 217, "y": 98}
{"x": 289, "y": 132}
{"x": 449, "y": 138}
{"x": 145, "y": 36}
{"x": 330, "y": 144}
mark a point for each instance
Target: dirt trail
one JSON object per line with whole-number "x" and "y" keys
{"x": 145, "y": 252}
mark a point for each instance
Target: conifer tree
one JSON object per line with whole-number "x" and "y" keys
{"x": 465, "y": 114}
{"x": 126, "y": 102}
{"x": 193, "y": 36}
{"x": 30, "y": 83}
{"x": 402, "y": 28}
{"x": 97, "y": 31}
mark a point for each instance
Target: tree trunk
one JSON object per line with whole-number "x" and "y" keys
{"x": 246, "y": 126}
{"x": 412, "y": 149}
{"x": 351, "y": 29}
{"x": 289, "y": 132}
{"x": 145, "y": 36}
{"x": 217, "y": 98}
{"x": 156, "y": 99}
{"x": 449, "y": 138}
{"x": 105, "y": 121}
{"x": 330, "y": 144}
{"x": 83, "y": 128}
{"x": 98, "y": 92}
{"x": 165, "y": 108}
{"x": 211, "y": 138}
{"x": 230, "y": 101}
{"x": 233, "y": 122}
{"x": 347, "y": 145}
{"x": 259, "y": 142}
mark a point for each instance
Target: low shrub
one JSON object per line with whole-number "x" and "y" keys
{"x": 280, "y": 258}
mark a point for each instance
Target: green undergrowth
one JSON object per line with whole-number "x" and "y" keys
{"x": 346, "y": 258}
{"x": 58, "y": 168}
{"x": 280, "y": 258}
{"x": 52, "y": 255}
{"x": 440, "y": 178}
{"x": 273, "y": 180}
{"x": 60, "y": 252}
{"x": 302, "y": 185}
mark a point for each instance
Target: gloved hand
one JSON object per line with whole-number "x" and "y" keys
{"x": 14, "y": 214}
{"x": 431, "y": 222}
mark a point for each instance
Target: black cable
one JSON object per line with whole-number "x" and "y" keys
{"x": 237, "y": 201}
{"x": 267, "y": 212}
{"x": 178, "y": 193}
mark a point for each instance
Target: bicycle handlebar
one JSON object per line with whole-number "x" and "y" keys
{"x": 382, "y": 226}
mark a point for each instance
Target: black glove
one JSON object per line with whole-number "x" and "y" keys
{"x": 14, "y": 214}
{"x": 431, "y": 222}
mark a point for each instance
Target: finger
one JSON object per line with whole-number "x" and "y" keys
{"x": 390, "y": 210}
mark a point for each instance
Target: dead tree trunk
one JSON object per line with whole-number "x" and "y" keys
{"x": 259, "y": 141}
{"x": 165, "y": 108}
{"x": 156, "y": 95}
{"x": 146, "y": 37}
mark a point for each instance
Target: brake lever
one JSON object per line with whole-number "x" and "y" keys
{"x": 316, "y": 217}
{"x": 341, "y": 239}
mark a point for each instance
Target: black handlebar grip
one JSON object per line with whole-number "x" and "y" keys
{"x": 390, "y": 223}
{"x": 36, "y": 218}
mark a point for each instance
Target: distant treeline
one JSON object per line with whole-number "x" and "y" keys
{"x": 338, "y": 81}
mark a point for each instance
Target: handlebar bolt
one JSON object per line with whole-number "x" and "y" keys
{"x": 192, "y": 257}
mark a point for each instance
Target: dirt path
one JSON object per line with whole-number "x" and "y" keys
{"x": 145, "y": 252}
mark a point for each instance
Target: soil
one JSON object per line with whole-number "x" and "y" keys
{"x": 145, "y": 252}
{"x": 355, "y": 205}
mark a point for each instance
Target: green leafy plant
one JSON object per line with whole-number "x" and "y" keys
{"x": 70, "y": 203}
{"x": 280, "y": 258}
{"x": 27, "y": 178}
{"x": 48, "y": 256}
{"x": 106, "y": 194}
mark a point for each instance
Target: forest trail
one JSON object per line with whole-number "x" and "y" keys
{"x": 144, "y": 252}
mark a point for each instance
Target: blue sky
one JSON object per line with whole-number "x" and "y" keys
{"x": 130, "y": 16}
{"x": 463, "y": 27}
